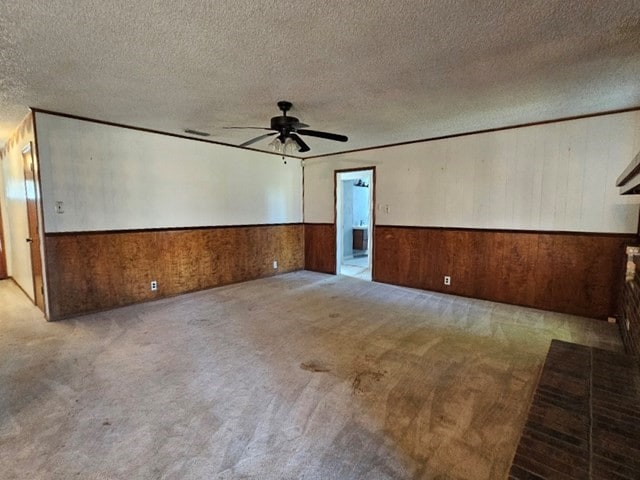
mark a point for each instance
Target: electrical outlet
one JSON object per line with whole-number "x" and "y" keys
{"x": 275, "y": 264}
{"x": 447, "y": 280}
{"x": 154, "y": 285}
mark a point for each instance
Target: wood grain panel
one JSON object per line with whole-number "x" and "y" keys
{"x": 96, "y": 271}
{"x": 572, "y": 273}
{"x": 320, "y": 247}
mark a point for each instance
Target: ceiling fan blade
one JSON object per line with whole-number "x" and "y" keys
{"x": 329, "y": 136}
{"x": 303, "y": 146}
{"x": 256, "y": 139}
{"x": 301, "y": 125}
{"x": 251, "y": 128}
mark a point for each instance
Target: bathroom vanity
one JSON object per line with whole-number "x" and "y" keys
{"x": 360, "y": 238}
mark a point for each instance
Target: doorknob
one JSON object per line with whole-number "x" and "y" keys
{"x": 29, "y": 240}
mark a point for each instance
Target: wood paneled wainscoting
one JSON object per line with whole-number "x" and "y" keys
{"x": 576, "y": 273}
{"x": 320, "y": 247}
{"x": 96, "y": 271}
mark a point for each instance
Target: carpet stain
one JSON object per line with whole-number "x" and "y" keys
{"x": 358, "y": 381}
{"x": 313, "y": 366}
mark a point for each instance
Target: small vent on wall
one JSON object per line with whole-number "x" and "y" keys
{"x": 196, "y": 132}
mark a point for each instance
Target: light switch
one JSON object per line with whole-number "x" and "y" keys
{"x": 59, "y": 207}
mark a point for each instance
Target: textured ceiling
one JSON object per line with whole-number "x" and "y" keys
{"x": 380, "y": 72}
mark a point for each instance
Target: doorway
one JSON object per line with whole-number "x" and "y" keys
{"x": 354, "y": 222}
{"x": 3, "y": 257}
{"x": 31, "y": 191}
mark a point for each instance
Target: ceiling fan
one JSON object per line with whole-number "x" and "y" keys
{"x": 288, "y": 131}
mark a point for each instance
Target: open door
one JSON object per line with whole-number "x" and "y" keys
{"x": 31, "y": 191}
{"x": 3, "y": 256}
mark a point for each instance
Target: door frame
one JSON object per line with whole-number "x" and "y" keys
{"x": 33, "y": 220}
{"x": 337, "y": 200}
{"x": 3, "y": 249}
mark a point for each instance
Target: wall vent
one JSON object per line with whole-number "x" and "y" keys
{"x": 196, "y": 132}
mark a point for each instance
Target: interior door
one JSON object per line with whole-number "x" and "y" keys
{"x": 34, "y": 233}
{"x": 3, "y": 257}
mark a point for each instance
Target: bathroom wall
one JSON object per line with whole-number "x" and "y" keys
{"x": 361, "y": 205}
{"x": 348, "y": 217}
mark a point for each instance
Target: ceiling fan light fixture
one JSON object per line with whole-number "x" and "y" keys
{"x": 286, "y": 147}
{"x": 275, "y": 145}
{"x": 290, "y": 146}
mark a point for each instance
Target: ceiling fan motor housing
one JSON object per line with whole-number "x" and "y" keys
{"x": 284, "y": 123}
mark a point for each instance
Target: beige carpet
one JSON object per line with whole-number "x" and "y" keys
{"x": 302, "y": 375}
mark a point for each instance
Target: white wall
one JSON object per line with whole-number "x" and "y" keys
{"x": 14, "y": 213}
{"x": 112, "y": 178}
{"x": 558, "y": 176}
